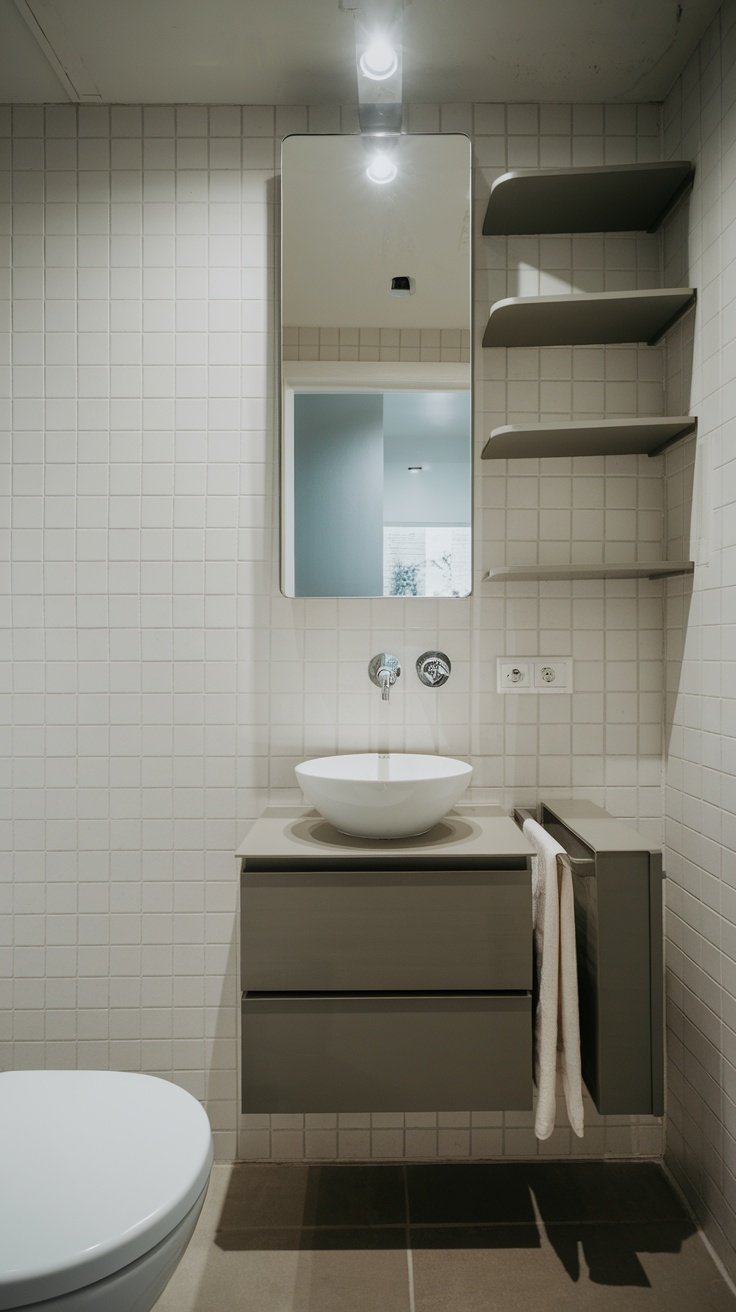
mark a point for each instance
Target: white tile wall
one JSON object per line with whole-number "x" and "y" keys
{"x": 157, "y": 687}
{"x": 700, "y": 123}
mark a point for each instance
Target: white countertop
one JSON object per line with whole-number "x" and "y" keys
{"x": 299, "y": 833}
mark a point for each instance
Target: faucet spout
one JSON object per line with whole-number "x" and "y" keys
{"x": 384, "y": 670}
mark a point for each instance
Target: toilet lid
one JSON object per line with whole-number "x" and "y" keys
{"x": 97, "y": 1167}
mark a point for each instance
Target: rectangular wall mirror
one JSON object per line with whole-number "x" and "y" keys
{"x": 376, "y": 414}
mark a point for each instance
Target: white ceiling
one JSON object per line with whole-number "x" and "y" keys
{"x": 302, "y": 51}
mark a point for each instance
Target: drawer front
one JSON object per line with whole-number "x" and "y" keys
{"x": 386, "y": 1054}
{"x": 397, "y": 931}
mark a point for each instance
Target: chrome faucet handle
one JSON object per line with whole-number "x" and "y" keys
{"x": 384, "y": 670}
{"x": 433, "y": 668}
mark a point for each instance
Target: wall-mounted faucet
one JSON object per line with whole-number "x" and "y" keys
{"x": 384, "y": 670}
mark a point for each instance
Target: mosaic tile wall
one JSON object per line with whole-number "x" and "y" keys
{"x": 158, "y": 689}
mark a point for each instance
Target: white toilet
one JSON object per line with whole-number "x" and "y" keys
{"x": 102, "y": 1177}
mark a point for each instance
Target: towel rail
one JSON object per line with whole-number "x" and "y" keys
{"x": 618, "y": 932}
{"x": 583, "y": 866}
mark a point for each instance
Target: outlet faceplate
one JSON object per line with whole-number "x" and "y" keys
{"x": 534, "y": 674}
{"x": 514, "y": 675}
{"x": 553, "y": 674}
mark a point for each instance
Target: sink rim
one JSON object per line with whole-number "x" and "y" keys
{"x": 324, "y": 768}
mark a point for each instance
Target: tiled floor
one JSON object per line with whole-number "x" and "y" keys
{"x": 551, "y": 1237}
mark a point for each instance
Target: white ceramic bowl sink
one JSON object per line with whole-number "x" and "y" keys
{"x": 377, "y": 795}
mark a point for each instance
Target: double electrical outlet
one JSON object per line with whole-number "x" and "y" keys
{"x": 534, "y": 674}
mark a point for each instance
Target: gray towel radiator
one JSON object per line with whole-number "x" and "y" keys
{"x": 617, "y": 882}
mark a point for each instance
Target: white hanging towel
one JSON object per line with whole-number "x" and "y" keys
{"x": 557, "y": 1021}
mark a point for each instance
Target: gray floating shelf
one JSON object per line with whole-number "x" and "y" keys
{"x": 612, "y": 198}
{"x": 653, "y": 569}
{"x": 584, "y": 318}
{"x": 594, "y": 437}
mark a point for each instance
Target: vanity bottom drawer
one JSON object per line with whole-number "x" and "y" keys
{"x": 362, "y": 1053}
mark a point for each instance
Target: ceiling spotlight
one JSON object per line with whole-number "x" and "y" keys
{"x": 379, "y": 59}
{"x": 381, "y": 168}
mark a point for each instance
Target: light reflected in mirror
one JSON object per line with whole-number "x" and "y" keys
{"x": 376, "y": 399}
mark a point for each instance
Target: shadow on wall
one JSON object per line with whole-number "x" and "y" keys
{"x": 688, "y": 525}
{"x": 221, "y": 1074}
{"x": 687, "y": 514}
{"x": 679, "y": 494}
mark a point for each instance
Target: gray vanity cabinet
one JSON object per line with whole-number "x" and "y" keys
{"x": 385, "y": 976}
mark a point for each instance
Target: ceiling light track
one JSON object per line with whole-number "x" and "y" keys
{"x": 378, "y": 65}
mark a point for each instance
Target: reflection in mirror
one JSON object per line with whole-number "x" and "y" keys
{"x": 376, "y": 404}
{"x": 383, "y": 487}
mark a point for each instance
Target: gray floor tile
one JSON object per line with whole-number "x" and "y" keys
{"x": 355, "y": 1195}
{"x": 618, "y": 1268}
{"x": 334, "y": 1279}
{"x": 603, "y": 1191}
{"x": 464, "y": 1193}
{"x": 267, "y": 1195}
{"x": 312, "y": 1238}
{"x": 351, "y": 1281}
{"x": 491, "y": 1193}
{"x": 266, "y": 1260}
{"x": 330, "y": 1194}
{"x": 444, "y": 1238}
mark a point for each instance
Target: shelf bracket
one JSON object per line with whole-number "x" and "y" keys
{"x": 683, "y": 190}
{"x": 679, "y": 314}
{"x": 687, "y": 431}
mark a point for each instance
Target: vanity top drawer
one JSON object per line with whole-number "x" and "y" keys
{"x": 328, "y": 931}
